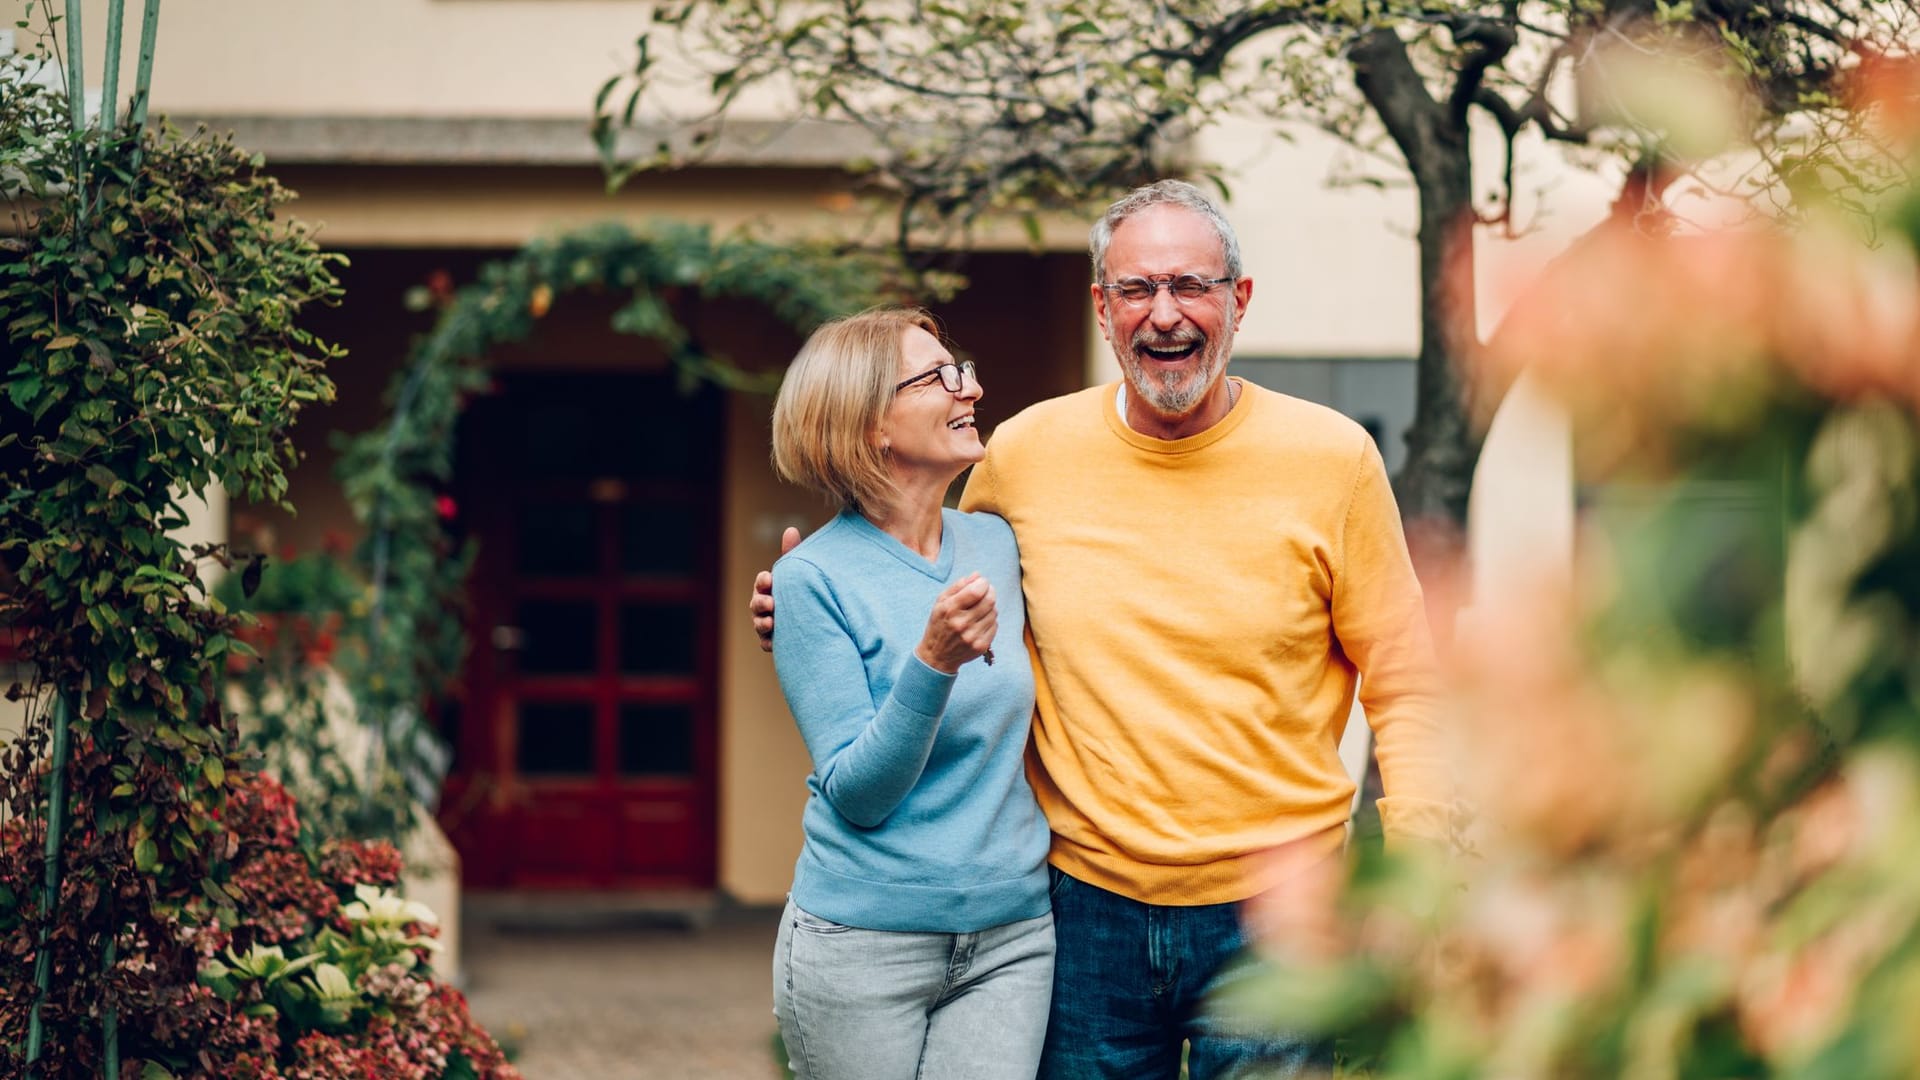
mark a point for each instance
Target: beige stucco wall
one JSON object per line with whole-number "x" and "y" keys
{"x": 1521, "y": 514}
{"x": 1335, "y": 265}
{"x": 455, "y": 59}
{"x": 504, "y": 207}
{"x": 764, "y": 764}
{"x": 381, "y": 57}
{"x": 1335, "y": 269}
{"x": 13, "y": 714}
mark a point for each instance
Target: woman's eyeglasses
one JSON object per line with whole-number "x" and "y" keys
{"x": 951, "y": 376}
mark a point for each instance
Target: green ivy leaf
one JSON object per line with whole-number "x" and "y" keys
{"x": 24, "y": 391}
{"x": 146, "y": 855}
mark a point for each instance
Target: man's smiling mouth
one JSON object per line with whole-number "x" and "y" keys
{"x": 1170, "y": 353}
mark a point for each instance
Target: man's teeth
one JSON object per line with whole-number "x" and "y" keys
{"x": 963, "y": 422}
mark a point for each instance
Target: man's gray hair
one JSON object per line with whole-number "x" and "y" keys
{"x": 1163, "y": 193}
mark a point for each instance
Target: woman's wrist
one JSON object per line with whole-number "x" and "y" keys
{"x": 926, "y": 657}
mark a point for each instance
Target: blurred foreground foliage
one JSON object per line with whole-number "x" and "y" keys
{"x": 1696, "y": 762}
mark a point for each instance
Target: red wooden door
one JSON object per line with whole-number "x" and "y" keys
{"x": 586, "y": 750}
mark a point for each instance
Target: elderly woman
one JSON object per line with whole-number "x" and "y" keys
{"x": 917, "y": 940}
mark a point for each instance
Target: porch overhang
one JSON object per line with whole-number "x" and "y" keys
{"x": 534, "y": 141}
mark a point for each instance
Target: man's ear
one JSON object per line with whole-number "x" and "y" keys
{"x": 1242, "y": 296}
{"x": 1100, "y": 310}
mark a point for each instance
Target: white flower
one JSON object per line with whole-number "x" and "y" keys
{"x": 382, "y": 908}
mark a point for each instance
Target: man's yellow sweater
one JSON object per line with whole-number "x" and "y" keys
{"x": 1198, "y": 612}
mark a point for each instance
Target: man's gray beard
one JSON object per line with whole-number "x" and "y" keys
{"x": 1159, "y": 388}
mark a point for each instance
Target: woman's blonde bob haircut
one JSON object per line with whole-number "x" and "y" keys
{"x": 826, "y": 419}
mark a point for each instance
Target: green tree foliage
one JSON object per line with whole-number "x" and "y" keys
{"x": 149, "y": 304}
{"x": 982, "y": 107}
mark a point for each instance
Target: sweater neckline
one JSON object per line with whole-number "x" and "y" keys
{"x": 1236, "y": 416}
{"x": 939, "y": 569}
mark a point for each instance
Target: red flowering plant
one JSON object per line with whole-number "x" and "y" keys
{"x": 298, "y": 962}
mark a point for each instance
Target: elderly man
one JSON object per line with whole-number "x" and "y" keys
{"x": 1209, "y": 568}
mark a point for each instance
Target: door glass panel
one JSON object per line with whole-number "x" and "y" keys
{"x": 558, "y": 637}
{"x": 663, "y": 446}
{"x": 558, "y": 439}
{"x": 658, "y": 538}
{"x": 450, "y": 713}
{"x": 656, "y": 740}
{"x": 556, "y": 541}
{"x": 656, "y": 640}
{"x": 556, "y": 739}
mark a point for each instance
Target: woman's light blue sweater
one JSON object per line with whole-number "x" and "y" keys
{"x": 920, "y": 817}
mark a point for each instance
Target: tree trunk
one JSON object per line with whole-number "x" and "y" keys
{"x": 1442, "y": 444}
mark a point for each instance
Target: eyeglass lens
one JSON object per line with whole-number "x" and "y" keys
{"x": 1185, "y": 288}
{"x": 952, "y": 376}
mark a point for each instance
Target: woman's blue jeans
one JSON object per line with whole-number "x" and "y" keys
{"x": 859, "y": 1004}
{"x": 1130, "y": 982}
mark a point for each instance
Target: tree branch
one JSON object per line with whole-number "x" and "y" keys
{"x": 1489, "y": 42}
{"x": 1392, "y": 85}
{"x": 1510, "y": 119}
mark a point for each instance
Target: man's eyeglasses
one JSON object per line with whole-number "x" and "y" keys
{"x": 950, "y": 376}
{"x": 1187, "y": 288}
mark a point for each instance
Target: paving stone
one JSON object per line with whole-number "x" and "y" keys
{"x": 629, "y": 1001}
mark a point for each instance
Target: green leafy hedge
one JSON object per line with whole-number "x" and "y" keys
{"x": 149, "y": 309}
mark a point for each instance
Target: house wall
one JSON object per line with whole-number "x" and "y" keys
{"x": 504, "y": 206}
{"x": 13, "y": 714}
{"x": 1020, "y": 321}
{"x": 1335, "y": 269}
{"x": 387, "y": 57}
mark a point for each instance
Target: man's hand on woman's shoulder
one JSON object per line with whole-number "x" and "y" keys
{"x": 762, "y": 603}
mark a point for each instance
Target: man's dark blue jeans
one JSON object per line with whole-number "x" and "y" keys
{"x": 1130, "y": 982}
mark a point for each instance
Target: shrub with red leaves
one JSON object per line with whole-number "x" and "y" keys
{"x": 277, "y": 899}
{"x": 360, "y": 862}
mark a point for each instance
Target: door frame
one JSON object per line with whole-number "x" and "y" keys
{"x": 486, "y": 798}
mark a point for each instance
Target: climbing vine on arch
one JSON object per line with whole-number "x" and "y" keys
{"x": 402, "y": 641}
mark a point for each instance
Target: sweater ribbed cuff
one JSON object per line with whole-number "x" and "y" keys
{"x": 921, "y": 688}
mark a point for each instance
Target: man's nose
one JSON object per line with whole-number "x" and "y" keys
{"x": 1164, "y": 310}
